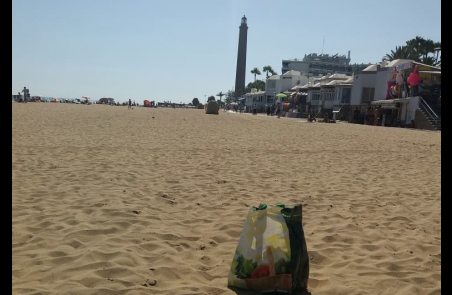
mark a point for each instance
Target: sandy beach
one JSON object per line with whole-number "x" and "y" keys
{"x": 107, "y": 200}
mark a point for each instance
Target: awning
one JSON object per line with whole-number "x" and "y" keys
{"x": 431, "y": 72}
{"x": 390, "y": 101}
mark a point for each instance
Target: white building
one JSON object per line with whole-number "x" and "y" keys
{"x": 371, "y": 87}
{"x": 343, "y": 92}
{"x": 322, "y": 64}
{"x": 328, "y": 93}
{"x": 364, "y": 83}
{"x": 257, "y": 98}
{"x": 281, "y": 83}
{"x": 372, "y": 83}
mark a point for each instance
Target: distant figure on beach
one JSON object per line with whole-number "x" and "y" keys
{"x": 278, "y": 107}
{"x": 130, "y": 104}
{"x": 370, "y": 116}
{"x": 268, "y": 110}
{"x": 356, "y": 115}
{"x": 326, "y": 118}
{"x": 26, "y": 92}
{"x": 311, "y": 118}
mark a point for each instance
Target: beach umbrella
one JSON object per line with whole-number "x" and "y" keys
{"x": 281, "y": 95}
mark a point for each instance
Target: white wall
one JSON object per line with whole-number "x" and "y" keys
{"x": 338, "y": 97}
{"x": 276, "y": 89}
{"x": 282, "y": 84}
{"x": 381, "y": 84}
{"x": 362, "y": 80}
{"x": 310, "y": 94}
{"x": 413, "y": 105}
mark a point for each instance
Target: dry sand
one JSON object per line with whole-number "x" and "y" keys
{"x": 107, "y": 200}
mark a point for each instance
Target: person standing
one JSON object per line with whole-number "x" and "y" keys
{"x": 26, "y": 92}
{"x": 356, "y": 114}
{"x": 370, "y": 116}
{"x": 278, "y": 107}
{"x": 130, "y": 104}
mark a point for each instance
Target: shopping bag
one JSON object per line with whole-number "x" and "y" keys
{"x": 271, "y": 254}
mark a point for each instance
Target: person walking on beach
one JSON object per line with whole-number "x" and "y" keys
{"x": 130, "y": 104}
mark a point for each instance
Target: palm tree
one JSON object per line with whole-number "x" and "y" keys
{"x": 268, "y": 69}
{"x": 401, "y": 52}
{"x": 221, "y": 94}
{"x": 423, "y": 50}
{"x": 429, "y": 60}
{"x": 437, "y": 50}
{"x": 230, "y": 95}
{"x": 416, "y": 46}
{"x": 255, "y": 71}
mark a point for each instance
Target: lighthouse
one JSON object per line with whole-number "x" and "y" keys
{"x": 241, "y": 59}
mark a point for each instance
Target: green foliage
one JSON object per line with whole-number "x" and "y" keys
{"x": 268, "y": 69}
{"x": 259, "y": 84}
{"x": 418, "y": 49}
{"x": 195, "y": 101}
{"x": 244, "y": 267}
{"x": 230, "y": 95}
{"x": 400, "y": 52}
{"x": 255, "y": 71}
{"x": 281, "y": 266}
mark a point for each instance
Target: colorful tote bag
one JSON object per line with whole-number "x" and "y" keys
{"x": 271, "y": 254}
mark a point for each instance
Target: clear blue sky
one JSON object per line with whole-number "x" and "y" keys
{"x": 180, "y": 49}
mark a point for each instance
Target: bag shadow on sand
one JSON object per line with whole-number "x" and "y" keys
{"x": 239, "y": 291}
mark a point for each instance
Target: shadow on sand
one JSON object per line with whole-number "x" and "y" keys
{"x": 246, "y": 292}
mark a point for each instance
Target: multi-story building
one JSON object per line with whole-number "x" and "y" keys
{"x": 315, "y": 65}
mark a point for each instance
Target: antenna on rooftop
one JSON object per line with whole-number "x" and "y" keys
{"x": 323, "y": 44}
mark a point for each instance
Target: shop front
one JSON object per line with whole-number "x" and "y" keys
{"x": 396, "y": 112}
